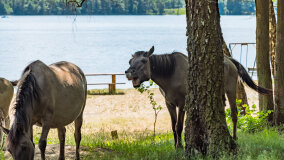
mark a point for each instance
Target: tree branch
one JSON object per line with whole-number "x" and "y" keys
{"x": 75, "y": 1}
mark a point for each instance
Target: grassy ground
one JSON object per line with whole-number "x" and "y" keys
{"x": 132, "y": 116}
{"x": 265, "y": 145}
{"x": 104, "y": 92}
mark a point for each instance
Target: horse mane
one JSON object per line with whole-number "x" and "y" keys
{"x": 163, "y": 65}
{"x": 28, "y": 92}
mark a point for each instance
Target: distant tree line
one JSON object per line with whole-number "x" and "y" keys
{"x": 237, "y": 7}
{"x": 113, "y": 7}
{"x": 90, "y": 7}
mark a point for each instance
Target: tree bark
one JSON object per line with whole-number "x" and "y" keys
{"x": 279, "y": 65}
{"x": 262, "y": 54}
{"x": 206, "y": 129}
{"x": 272, "y": 35}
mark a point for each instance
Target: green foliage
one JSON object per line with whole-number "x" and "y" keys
{"x": 145, "y": 88}
{"x": 253, "y": 121}
{"x": 157, "y": 108}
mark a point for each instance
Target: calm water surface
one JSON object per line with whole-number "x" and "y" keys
{"x": 103, "y": 44}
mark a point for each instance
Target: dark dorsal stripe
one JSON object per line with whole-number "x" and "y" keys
{"x": 162, "y": 65}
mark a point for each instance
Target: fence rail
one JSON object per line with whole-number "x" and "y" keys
{"x": 112, "y": 85}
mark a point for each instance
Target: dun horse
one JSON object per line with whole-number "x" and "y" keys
{"x": 169, "y": 72}
{"x": 49, "y": 96}
{"x": 6, "y": 95}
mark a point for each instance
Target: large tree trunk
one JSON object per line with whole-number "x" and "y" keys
{"x": 279, "y": 67}
{"x": 241, "y": 92}
{"x": 272, "y": 35}
{"x": 206, "y": 129}
{"x": 262, "y": 54}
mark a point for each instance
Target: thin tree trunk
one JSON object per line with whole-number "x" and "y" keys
{"x": 272, "y": 35}
{"x": 279, "y": 66}
{"x": 206, "y": 129}
{"x": 241, "y": 92}
{"x": 262, "y": 54}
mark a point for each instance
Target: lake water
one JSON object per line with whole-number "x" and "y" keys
{"x": 103, "y": 44}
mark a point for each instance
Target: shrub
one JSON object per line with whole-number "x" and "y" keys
{"x": 253, "y": 121}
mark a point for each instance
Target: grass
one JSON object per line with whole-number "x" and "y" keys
{"x": 267, "y": 144}
{"x": 104, "y": 92}
{"x": 264, "y": 145}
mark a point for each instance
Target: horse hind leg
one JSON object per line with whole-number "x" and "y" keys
{"x": 234, "y": 112}
{"x": 77, "y": 134}
{"x": 179, "y": 126}
{"x": 173, "y": 114}
{"x": 61, "y": 135}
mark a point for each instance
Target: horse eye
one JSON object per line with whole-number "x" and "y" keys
{"x": 24, "y": 148}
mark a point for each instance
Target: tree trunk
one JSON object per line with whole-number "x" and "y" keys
{"x": 279, "y": 66}
{"x": 206, "y": 129}
{"x": 262, "y": 54}
{"x": 272, "y": 35}
{"x": 241, "y": 92}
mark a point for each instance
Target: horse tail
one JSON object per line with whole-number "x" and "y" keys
{"x": 246, "y": 78}
{"x": 14, "y": 83}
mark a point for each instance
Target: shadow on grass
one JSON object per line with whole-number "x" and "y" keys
{"x": 132, "y": 147}
{"x": 267, "y": 144}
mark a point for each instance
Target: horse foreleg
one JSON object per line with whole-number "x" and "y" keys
{"x": 7, "y": 125}
{"x": 77, "y": 134}
{"x": 173, "y": 114}
{"x": 179, "y": 126}
{"x": 42, "y": 140}
{"x": 61, "y": 135}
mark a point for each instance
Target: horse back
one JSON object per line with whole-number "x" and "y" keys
{"x": 68, "y": 74}
{"x": 63, "y": 92}
{"x": 6, "y": 95}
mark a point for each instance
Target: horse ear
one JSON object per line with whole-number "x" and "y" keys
{"x": 150, "y": 52}
{"x": 5, "y": 130}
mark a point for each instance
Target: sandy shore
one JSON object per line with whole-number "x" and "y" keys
{"x": 132, "y": 111}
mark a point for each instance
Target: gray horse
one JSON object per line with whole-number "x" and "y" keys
{"x": 169, "y": 71}
{"x": 49, "y": 96}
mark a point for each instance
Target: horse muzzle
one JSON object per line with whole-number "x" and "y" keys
{"x": 128, "y": 75}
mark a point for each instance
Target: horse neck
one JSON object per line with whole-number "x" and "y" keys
{"x": 25, "y": 119}
{"x": 162, "y": 82}
{"x": 161, "y": 62}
